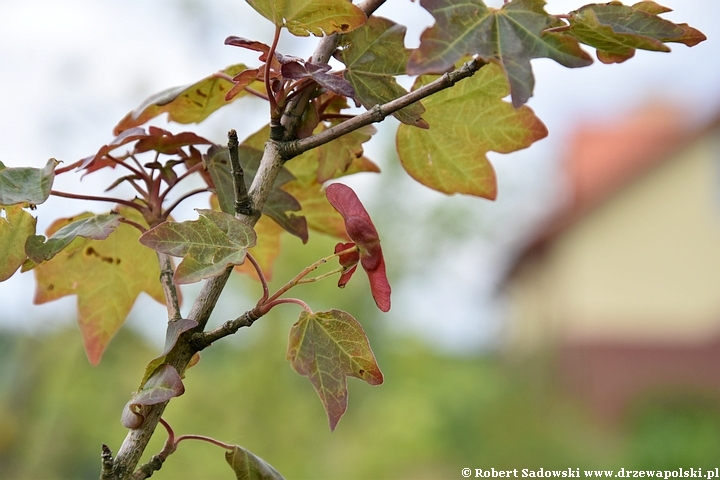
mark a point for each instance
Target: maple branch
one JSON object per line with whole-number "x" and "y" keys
{"x": 292, "y": 114}
{"x": 243, "y": 205}
{"x": 107, "y": 463}
{"x": 127, "y": 203}
{"x": 169, "y": 288}
{"x": 379, "y": 112}
{"x": 203, "y": 340}
{"x": 270, "y": 165}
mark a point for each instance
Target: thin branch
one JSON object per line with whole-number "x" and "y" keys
{"x": 224, "y": 445}
{"x": 202, "y": 340}
{"x": 243, "y": 205}
{"x": 172, "y": 298}
{"x": 97, "y": 199}
{"x": 268, "y": 63}
{"x": 261, "y": 277}
{"x": 252, "y": 91}
{"x": 184, "y": 175}
{"x": 296, "y": 301}
{"x": 379, "y": 112}
{"x": 133, "y": 224}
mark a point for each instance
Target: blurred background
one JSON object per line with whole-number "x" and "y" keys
{"x": 572, "y": 323}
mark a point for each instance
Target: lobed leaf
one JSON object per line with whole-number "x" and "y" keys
{"x": 106, "y": 275}
{"x": 248, "y": 466}
{"x": 15, "y": 227}
{"x": 616, "y": 30}
{"x": 87, "y": 225}
{"x": 185, "y": 104}
{"x": 373, "y": 55}
{"x": 26, "y": 184}
{"x": 208, "y": 245}
{"x": 316, "y": 17}
{"x": 512, "y": 35}
{"x": 327, "y": 347}
{"x": 466, "y": 122}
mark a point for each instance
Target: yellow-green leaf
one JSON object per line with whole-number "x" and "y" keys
{"x": 185, "y": 104}
{"x": 106, "y": 275}
{"x": 327, "y": 347}
{"x": 305, "y": 17}
{"x": 466, "y": 122}
{"x": 15, "y": 227}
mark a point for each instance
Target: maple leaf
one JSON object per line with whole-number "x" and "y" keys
{"x": 26, "y": 184}
{"x": 327, "y": 347}
{"x": 15, "y": 227}
{"x": 316, "y": 17}
{"x": 185, "y": 104}
{"x": 106, "y": 275}
{"x": 208, "y": 245}
{"x": 248, "y": 466}
{"x": 513, "y": 35}
{"x": 465, "y": 124}
{"x": 164, "y": 384}
{"x": 616, "y": 30}
{"x": 97, "y": 227}
{"x": 362, "y": 232}
{"x": 373, "y": 55}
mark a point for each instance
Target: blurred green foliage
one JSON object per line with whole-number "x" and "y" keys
{"x": 434, "y": 415}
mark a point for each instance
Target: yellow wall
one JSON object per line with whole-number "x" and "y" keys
{"x": 645, "y": 265}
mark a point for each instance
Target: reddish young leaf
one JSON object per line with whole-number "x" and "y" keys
{"x": 318, "y": 72}
{"x": 327, "y": 347}
{"x": 15, "y": 228}
{"x": 513, "y": 35}
{"x": 361, "y": 230}
{"x": 106, "y": 275}
{"x": 164, "y": 384}
{"x": 248, "y": 466}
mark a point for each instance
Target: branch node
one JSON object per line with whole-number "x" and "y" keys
{"x": 107, "y": 463}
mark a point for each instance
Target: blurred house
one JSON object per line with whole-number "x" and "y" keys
{"x": 623, "y": 285}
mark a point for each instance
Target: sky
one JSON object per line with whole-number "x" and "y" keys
{"x": 72, "y": 69}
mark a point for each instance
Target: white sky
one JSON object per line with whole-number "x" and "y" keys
{"x": 71, "y": 69}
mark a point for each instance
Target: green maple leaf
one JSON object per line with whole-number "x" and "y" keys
{"x": 26, "y": 184}
{"x": 466, "y": 122}
{"x": 512, "y": 35}
{"x": 15, "y": 227}
{"x": 248, "y": 466}
{"x": 106, "y": 275}
{"x": 208, "y": 245}
{"x": 305, "y": 17}
{"x": 616, "y": 30}
{"x": 97, "y": 227}
{"x": 185, "y": 104}
{"x": 373, "y": 55}
{"x": 327, "y": 347}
